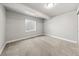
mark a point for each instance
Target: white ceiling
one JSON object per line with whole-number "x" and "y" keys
{"x": 58, "y": 9}
{"x": 23, "y": 9}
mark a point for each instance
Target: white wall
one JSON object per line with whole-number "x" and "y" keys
{"x": 64, "y": 26}
{"x": 2, "y": 27}
{"x": 16, "y": 26}
{"x": 78, "y": 28}
{"x": 78, "y": 24}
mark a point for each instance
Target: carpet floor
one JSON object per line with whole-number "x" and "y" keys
{"x": 41, "y": 46}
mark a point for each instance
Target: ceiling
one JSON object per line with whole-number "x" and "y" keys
{"x": 58, "y": 9}
{"x": 23, "y": 9}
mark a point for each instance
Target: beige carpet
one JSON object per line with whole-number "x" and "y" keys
{"x": 41, "y": 46}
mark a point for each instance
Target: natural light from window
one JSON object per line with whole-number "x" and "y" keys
{"x": 30, "y": 25}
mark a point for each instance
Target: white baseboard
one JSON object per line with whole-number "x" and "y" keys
{"x": 2, "y": 48}
{"x": 61, "y": 38}
{"x": 22, "y": 38}
{"x": 34, "y": 36}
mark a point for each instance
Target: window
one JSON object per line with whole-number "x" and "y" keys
{"x": 30, "y": 25}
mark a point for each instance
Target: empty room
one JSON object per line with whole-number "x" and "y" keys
{"x": 39, "y": 29}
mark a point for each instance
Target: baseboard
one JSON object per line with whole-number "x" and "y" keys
{"x": 35, "y": 36}
{"x": 61, "y": 38}
{"x": 22, "y": 38}
{"x": 2, "y": 48}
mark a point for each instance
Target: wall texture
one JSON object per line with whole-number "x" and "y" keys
{"x": 64, "y": 26}
{"x": 2, "y": 27}
{"x": 16, "y": 26}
